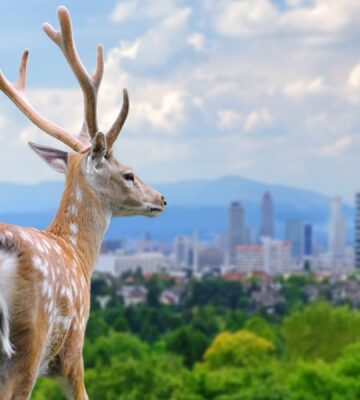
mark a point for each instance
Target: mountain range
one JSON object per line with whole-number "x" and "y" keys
{"x": 193, "y": 204}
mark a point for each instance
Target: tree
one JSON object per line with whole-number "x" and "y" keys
{"x": 115, "y": 345}
{"x": 188, "y": 343}
{"x": 239, "y": 349}
{"x": 320, "y": 331}
{"x": 154, "y": 377}
{"x": 261, "y": 327}
{"x": 96, "y": 326}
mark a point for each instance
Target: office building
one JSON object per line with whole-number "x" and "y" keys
{"x": 294, "y": 233}
{"x": 277, "y": 256}
{"x": 236, "y": 230}
{"x": 337, "y": 231}
{"x": 267, "y": 216}
{"x": 308, "y": 240}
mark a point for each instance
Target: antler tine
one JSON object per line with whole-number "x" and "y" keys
{"x": 15, "y": 92}
{"x": 114, "y": 131}
{"x": 21, "y": 82}
{"x": 89, "y": 84}
{"x": 99, "y": 66}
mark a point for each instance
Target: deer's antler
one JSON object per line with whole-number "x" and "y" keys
{"x": 89, "y": 84}
{"x": 16, "y": 93}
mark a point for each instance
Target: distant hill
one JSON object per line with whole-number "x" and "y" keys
{"x": 200, "y": 204}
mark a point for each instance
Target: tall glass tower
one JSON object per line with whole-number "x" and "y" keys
{"x": 294, "y": 233}
{"x": 267, "y": 216}
{"x": 236, "y": 231}
{"x": 337, "y": 230}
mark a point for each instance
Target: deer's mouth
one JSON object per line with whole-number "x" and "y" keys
{"x": 154, "y": 210}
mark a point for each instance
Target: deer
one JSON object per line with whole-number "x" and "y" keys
{"x": 45, "y": 274}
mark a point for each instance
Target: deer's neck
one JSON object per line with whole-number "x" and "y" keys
{"x": 81, "y": 221}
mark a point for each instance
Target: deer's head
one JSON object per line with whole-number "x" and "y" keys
{"x": 93, "y": 162}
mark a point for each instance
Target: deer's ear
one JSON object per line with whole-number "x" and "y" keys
{"x": 57, "y": 159}
{"x": 98, "y": 149}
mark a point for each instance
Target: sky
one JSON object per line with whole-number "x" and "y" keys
{"x": 265, "y": 89}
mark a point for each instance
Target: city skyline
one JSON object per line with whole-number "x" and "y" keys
{"x": 238, "y": 252}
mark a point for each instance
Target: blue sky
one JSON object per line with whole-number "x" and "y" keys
{"x": 269, "y": 90}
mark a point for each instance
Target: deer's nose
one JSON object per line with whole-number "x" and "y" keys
{"x": 164, "y": 201}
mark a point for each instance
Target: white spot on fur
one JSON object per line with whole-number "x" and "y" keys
{"x": 83, "y": 282}
{"x": 72, "y": 209}
{"x": 9, "y": 235}
{"x": 69, "y": 295}
{"x": 73, "y": 285}
{"x": 44, "y": 287}
{"x": 50, "y": 306}
{"x": 53, "y": 274}
{"x": 49, "y": 292}
{"x": 25, "y": 236}
{"x": 78, "y": 193}
{"x": 40, "y": 265}
{"x": 74, "y": 228}
{"x": 64, "y": 321}
{"x": 57, "y": 248}
{"x": 46, "y": 244}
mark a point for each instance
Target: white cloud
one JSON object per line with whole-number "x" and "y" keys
{"x": 2, "y": 121}
{"x": 354, "y": 78}
{"x": 258, "y": 119}
{"x": 305, "y": 87}
{"x": 165, "y": 116}
{"x": 124, "y": 11}
{"x": 297, "y": 3}
{"x": 227, "y": 119}
{"x": 261, "y": 17}
{"x": 246, "y": 18}
{"x": 158, "y": 44}
{"x": 147, "y": 9}
{"x": 338, "y": 147}
{"x": 197, "y": 41}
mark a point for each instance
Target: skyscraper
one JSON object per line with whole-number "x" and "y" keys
{"x": 337, "y": 231}
{"x": 357, "y": 230}
{"x": 183, "y": 251}
{"x": 267, "y": 216}
{"x": 308, "y": 240}
{"x": 294, "y": 233}
{"x": 236, "y": 232}
{"x": 195, "y": 255}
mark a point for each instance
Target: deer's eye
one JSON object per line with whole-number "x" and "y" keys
{"x": 129, "y": 176}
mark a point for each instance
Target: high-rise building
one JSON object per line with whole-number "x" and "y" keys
{"x": 195, "y": 250}
{"x": 337, "y": 231}
{"x": 294, "y": 233}
{"x": 249, "y": 258}
{"x": 267, "y": 216}
{"x": 272, "y": 256}
{"x": 357, "y": 230}
{"x": 236, "y": 232}
{"x": 277, "y": 256}
{"x": 183, "y": 251}
{"x": 308, "y": 240}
